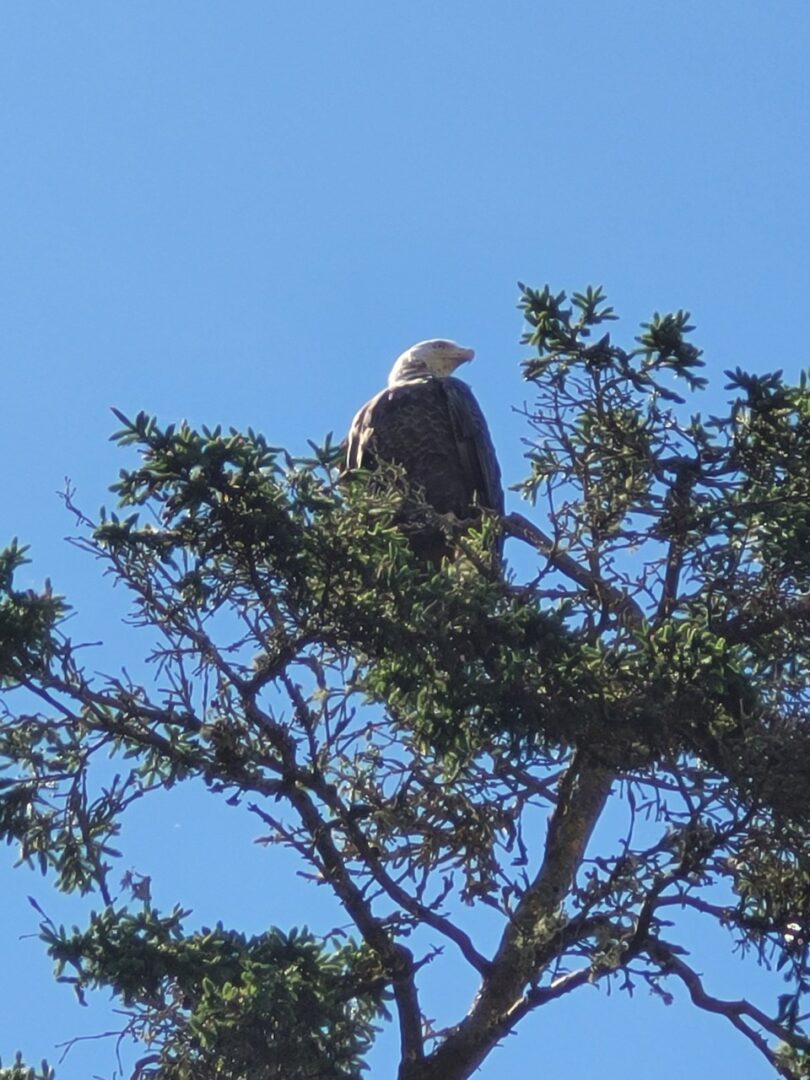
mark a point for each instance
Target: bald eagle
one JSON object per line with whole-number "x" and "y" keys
{"x": 429, "y": 423}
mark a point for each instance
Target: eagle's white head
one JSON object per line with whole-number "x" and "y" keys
{"x": 436, "y": 357}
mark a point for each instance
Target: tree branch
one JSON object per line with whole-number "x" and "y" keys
{"x": 532, "y": 933}
{"x": 522, "y": 529}
{"x": 327, "y": 793}
{"x": 739, "y": 1013}
{"x": 741, "y": 630}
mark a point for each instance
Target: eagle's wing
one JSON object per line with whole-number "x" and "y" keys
{"x": 474, "y": 445}
{"x": 360, "y": 432}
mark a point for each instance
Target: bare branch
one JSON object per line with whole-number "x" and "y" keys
{"x": 522, "y": 529}
{"x": 744, "y": 1016}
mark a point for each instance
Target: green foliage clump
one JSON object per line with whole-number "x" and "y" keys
{"x": 20, "y": 1071}
{"x": 225, "y": 1005}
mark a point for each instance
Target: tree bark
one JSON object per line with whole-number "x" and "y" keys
{"x": 521, "y": 956}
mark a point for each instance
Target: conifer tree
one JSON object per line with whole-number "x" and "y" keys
{"x": 431, "y": 740}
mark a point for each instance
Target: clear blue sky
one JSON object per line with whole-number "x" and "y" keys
{"x": 240, "y": 213}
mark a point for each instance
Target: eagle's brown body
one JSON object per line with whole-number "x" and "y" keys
{"x": 432, "y": 426}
